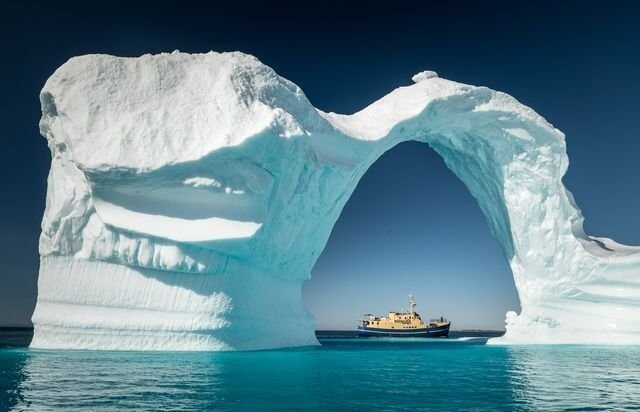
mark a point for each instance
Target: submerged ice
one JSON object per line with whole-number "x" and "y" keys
{"x": 189, "y": 197}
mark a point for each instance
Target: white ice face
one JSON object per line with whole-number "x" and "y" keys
{"x": 195, "y": 192}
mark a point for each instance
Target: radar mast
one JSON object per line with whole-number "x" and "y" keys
{"x": 412, "y": 303}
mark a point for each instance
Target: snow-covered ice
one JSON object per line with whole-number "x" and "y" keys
{"x": 189, "y": 197}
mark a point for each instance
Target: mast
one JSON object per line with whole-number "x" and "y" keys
{"x": 412, "y": 303}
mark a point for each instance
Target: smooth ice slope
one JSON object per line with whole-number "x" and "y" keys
{"x": 189, "y": 197}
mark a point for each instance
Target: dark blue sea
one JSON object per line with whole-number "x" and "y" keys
{"x": 344, "y": 374}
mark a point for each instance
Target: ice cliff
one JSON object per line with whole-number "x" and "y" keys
{"x": 189, "y": 197}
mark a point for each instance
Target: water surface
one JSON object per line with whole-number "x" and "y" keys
{"x": 343, "y": 374}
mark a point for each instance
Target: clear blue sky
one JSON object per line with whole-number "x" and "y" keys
{"x": 410, "y": 226}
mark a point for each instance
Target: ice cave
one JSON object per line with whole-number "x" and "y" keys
{"x": 190, "y": 195}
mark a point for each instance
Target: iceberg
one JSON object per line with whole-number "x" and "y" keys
{"x": 190, "y": 195}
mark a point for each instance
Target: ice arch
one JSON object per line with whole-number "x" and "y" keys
{"x": 190, "y": 195}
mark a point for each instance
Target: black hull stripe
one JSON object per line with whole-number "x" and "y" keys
{"x": 438, "y": 329}
{"x": 403, "y": 335}
{"x": 433, "y": 332}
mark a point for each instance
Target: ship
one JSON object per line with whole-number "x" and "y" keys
{"x": 403, "y": 324}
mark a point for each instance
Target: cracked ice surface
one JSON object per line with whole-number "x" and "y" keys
{"x": 189, "y": 197}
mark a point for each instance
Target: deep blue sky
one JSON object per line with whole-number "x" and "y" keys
{"x": 410, "y": 226}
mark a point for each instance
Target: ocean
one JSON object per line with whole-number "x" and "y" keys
{"x": 343, "y": 374}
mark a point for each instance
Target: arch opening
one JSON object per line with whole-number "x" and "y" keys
{"x": 411, "y": 227}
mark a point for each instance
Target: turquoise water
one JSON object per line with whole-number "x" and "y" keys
{"x": 342, "y": 374}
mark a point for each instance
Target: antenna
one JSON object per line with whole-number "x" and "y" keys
{"x": 412, "y": 303}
